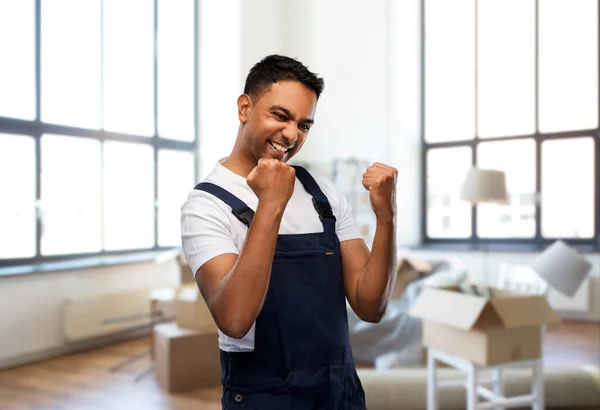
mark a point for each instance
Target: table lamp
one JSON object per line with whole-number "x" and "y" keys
{"x": 562, "y": 267}
{"x": 484, "y": 186}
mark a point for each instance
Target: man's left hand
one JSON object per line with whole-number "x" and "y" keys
{"x": 380, "y": 181}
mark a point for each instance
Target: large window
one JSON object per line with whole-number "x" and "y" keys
{"x": 512, "y": 85}
{"x": 97, "y": 126}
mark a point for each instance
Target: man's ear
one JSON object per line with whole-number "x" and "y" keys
{"x": 244, "y": 106}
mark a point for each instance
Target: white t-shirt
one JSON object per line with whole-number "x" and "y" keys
{"x": 209, "y": 229}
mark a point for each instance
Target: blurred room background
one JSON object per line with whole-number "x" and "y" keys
{"x": 112, "y": 110}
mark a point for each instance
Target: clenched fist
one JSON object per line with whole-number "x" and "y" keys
{"x": 272, "y": 181}
{"x": 380, "y": 181}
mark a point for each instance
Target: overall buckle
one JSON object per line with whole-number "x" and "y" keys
{"x": 323, "y": 210}
{"x": 245, "y": 217}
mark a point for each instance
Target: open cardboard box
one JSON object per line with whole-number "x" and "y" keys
{"x": 409, "y": 269}
{"x": 503, "y": 328}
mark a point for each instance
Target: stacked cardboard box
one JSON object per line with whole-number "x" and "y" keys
{"x": 185, "y": 272}
{"x": 186, "y": 350}
{"x": 185, "y": 359}
{"x": 491, "y": 327}
{"x": 162, "y": 303}
{"x": 191, "y": 310}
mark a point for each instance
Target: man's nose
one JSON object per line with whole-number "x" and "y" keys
{"x": 290, "y": 133}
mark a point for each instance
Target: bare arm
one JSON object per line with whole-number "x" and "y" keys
{"x": 369, "y": 277}
{"x": 234, "y": 287}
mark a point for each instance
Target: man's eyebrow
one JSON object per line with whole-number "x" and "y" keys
{"x": 289, "y": 114}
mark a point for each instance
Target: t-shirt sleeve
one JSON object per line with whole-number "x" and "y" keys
{"x": 205, "y": 231}
{"x": 345, "y": 226}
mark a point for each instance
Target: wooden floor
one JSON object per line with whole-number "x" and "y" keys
{"x": 85, "y": 381}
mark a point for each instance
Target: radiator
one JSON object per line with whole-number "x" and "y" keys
{"x": 105, "y": 315}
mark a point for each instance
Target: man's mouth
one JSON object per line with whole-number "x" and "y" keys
{"x": 279, "y": 147}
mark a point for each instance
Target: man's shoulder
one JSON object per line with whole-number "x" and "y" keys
{"x": 215, "y": 177}
{"x": 200, "y": 199}
{"x": 326, "y": 184}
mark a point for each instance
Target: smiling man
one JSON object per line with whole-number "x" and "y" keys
{"x": 276, "y": 254}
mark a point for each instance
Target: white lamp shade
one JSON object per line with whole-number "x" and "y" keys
{"x": 562, "y": 267}
{"x": 484, "y": 185}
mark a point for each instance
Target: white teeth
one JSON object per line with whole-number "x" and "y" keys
{"x": 278, "y": 147}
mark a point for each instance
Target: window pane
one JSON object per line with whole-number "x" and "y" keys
{"x": 17, "y": 48}
{"x": 70, "y": 195}
{"x": 449, "y": 70}
{"x": 175, "y": 181}
{"x": 17, "y": 210}
{"x": 568, "y": 188}
{"x": 176, "y": 69}
{"x": 517, "y": 218}
{"x": 128, "y": 196}
{"x": 506, "y": 62}
{"x": 129, "y": 66}
{"x": 568, "y": 58}
{"x": 71, "y": 62}
{"x": 448, "y": 216}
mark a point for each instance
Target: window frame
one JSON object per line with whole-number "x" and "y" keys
{"x": 475, "y": 242}
{"x": 36, "y": 128}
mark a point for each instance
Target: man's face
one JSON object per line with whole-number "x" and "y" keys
{"x": 278, "y": 120}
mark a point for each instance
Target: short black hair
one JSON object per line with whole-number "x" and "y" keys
{"x": 275, "y": 68}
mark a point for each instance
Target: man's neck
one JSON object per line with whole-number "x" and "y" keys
{"x": 239, "y": 164}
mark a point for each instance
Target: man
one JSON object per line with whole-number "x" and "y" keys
{"x": 276, "y": 253}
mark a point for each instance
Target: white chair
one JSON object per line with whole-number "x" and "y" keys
{"x": 515, "y": 278}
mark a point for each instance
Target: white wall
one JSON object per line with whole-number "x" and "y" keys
{"x": 219, "y": 85}
{"x": 261, "y": 31}
{"x": 345, "y": 42}
{"x": 30, "y": 305}
{"x": 405, "y": 115}
{"x": 234, "y": 35}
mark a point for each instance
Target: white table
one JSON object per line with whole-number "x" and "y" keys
{"x": 476, "y": 388}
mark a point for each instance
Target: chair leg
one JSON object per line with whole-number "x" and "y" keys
{"x": 432, "y": 399}
{"x": 538, "y": 385}
{"x": 498, "y": 380}
{"x": 472, "y": 397}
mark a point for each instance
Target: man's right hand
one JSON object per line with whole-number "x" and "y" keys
{"x": 272, "y": 181}
{"x": 233, "y": 286}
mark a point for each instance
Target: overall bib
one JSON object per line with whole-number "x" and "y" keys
{"x": 302, "y": 358}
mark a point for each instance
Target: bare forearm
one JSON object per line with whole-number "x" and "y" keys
{"x": 378, "y": 277}
{"x": 242, "y": 291}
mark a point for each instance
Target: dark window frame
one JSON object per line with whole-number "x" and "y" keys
{"x": 538, "y": 241}
{"x": 36, "y": 128}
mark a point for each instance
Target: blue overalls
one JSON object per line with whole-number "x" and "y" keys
{"x": 302, "y": 359}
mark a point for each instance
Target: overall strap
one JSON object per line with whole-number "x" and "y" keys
{"x": 320, "y": 201}
{"x": 238, "y": 207}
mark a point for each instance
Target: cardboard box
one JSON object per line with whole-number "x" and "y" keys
{"x": 186, "y": 359}
{"x": 162, "y": 309}
{"x": 192, "y": 311}
{"x": 162, "y": 303}
{"x": 409, "y": 269}
{"x": 185, "y": 272}
{"x": 503, "y": 328}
